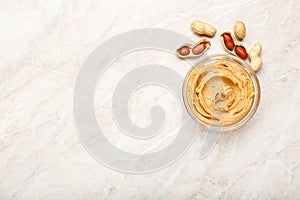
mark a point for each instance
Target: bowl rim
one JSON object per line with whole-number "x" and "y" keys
{"x": 250, "y": 72}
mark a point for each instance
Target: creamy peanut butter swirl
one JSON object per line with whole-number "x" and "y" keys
{"x": 220, "y": 94}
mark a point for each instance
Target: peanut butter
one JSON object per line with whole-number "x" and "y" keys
{"x": 220, "y": 94}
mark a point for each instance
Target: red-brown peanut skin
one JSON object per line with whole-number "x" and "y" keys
{"x": 199, "y": 48}
{"x": 184, "y": 51}
{"x": 228, "y": 42}
{"x": 241, "y": 52}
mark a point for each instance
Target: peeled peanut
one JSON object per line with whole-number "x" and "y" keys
{"x": 184, "y": 51}
{"x": 255, "y": 51}
{"x": 241, "y": 52}
{"x": 239, "y": 30}
{"x": 199, "y": 48}
{"x": 228, "y": 42}
{"x": 203, "y": 28}
{"x": 256, "y": 63}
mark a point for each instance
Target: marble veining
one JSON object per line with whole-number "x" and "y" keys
{"x": 42, "y": 47}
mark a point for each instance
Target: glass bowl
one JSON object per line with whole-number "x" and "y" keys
{"x": 210, "y": 61}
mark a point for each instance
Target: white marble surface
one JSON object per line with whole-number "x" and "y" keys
{"x": 42, "y": 47}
